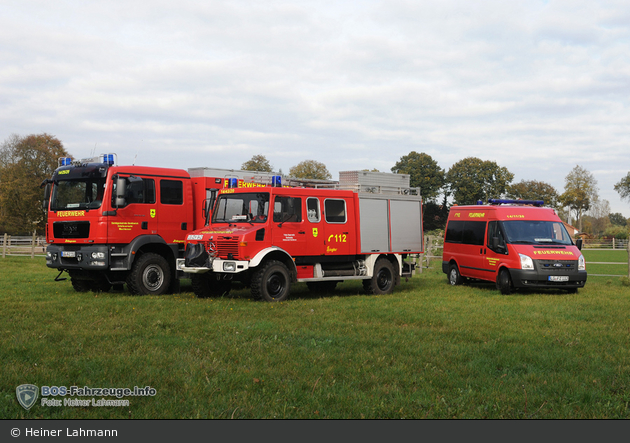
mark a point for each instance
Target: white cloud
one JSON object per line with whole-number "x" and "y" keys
{"x": 537, "y": 86}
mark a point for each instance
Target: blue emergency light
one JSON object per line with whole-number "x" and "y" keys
{"x": 108, "y": 159}
{"x": 276, "y": 181}
{"x": 233, "y": 183}
{"x": 496, "y": 201}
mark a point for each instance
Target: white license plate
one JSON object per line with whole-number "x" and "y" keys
{"x": 68, "y": 253}
{"x": 558, "y": 278}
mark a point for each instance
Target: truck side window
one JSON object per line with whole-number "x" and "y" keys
{"x": 171, "y": 192}
{"x": 335, "y": 210}
{"x": 312, "y": 209}
{"x": 287, "y": 210}
{"x": 141, "y": 192}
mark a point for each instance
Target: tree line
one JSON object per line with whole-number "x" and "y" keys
{"x": 26, "y": 161}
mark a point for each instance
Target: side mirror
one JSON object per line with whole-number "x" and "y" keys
{"x": 121, "y": 190}
{"x": 578, "y": 243}
{"x": 46, "y": 197}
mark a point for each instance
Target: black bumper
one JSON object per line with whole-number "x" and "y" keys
{"x": 534, "y": 279}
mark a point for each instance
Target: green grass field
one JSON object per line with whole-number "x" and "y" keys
{"x": 595, "y": 258}
{"x": 427, "y": 351}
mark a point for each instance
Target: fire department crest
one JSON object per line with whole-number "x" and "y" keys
{"x": 315, "y": 232}
{"x": 152, "y": 213}
{"x": 27, "y": 395}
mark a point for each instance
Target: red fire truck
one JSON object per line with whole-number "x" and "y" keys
{"x": 270, "y": 237}
{"x": 111, "y": 225}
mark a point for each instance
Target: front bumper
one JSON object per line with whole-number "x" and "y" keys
{"x": 216, "y": 265}
{"x": 535, "y": 279}
{"x": 84, "y": 257}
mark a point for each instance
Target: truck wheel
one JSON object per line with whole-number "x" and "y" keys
{"x": 383, "y": 280}
{"x": 80, "y": 285}
{"x": 504, "y": 282}
{"x": 454, "y": 277}
{"x": 150, "y": 275}
{"x": 271, "y": 282}
{"x": 205, "y": 286}
{"x": 324, "y": 287}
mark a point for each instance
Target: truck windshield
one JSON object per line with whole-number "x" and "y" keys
{"x": 536, "y": 232}
{"x": 241, "y": 208}
{"x": 77, "y": 194}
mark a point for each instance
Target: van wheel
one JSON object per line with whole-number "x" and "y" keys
{"x": 454, "y": 277}
{"x": 271, "y": 282}
{"x": 150, "y": 275}
{"x": 504, "y": 282}
{"x": 383, "y": 280}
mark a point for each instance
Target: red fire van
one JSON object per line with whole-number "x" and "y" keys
{"x": 515, "y": 243}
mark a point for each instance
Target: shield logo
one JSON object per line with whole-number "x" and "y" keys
{"x": 314, "y": 232}
{"x": 152, "y": 212}
{"x": 27, "y": 395}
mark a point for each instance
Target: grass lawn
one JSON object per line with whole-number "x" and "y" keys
{"x": 427, "y": 351}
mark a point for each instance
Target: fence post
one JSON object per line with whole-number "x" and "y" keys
{"x": 628, "y": 246}
{"x": 4, "y": 246}
{"x": 33, "y": 245}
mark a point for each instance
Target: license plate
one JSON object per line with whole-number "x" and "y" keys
{"x": 68, "y": 253}
{"x": 558, "y": 278}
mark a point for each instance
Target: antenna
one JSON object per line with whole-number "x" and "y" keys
{"x": 94, "y": 150}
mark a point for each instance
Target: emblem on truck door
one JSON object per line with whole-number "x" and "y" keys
{"x": 314, "y": 232}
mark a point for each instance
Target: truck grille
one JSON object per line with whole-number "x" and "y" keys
{"x": 71, "y": 229}
{"x": 557, "y": 265}
{"x": 227, "y": 246}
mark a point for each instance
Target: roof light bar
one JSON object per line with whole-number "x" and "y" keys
{"x": 496, "y": 201}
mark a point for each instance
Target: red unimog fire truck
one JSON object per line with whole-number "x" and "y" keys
{"x": 270, "y": 237}
{"x": 110, "y": 225}
{"x": 515, "y": 243}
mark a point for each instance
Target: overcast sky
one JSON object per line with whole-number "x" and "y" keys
{"x": 536, "y": 86}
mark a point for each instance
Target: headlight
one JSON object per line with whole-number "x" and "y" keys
{"x": 581, "y": 263}
{"x": 229, "y": 266}
{"x": 97, "y": 255}
{"x": 526, "y": 262}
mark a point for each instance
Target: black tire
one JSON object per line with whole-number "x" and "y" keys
{"x": 504, "y": 282}
{"x": 208, "y": 285}
{"x": 150, "y": 275}
{"x": 272, "y": 282}
{"x": 100, "y": 284}
{"x": 383, "y": 280}
{"x": 80, "y": 285}
{"x": 454, "y": 277}
{"x": 324, "y": 287}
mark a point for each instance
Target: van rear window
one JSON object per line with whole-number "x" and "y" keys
{"x": 465, "y": 232}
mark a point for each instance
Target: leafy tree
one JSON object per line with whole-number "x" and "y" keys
{"x": 471, "y": 179}
{"x": 599, "y": 212}
{"x": 580, "y": 190}
{"x": 534, "y": 190}
{"x": 310, "y": 169}
{"x": 257, "y": 163}
{"x": 623, "y": 187}
{"x": 424, "y": 173}
{"x": 24, "y": 163}
{"x": 617, "y": 219}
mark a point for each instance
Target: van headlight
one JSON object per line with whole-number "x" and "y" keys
{"x": 229, "y": 266}
{"x": 581, "y": 263}
{"x": 526, "y": 262}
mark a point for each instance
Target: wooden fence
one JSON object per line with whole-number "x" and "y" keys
{"x": 33, "y": 246}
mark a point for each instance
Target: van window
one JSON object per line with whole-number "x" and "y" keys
{"x": 335, "y": 210}
{"x": 494, "y": 230}
{"x": 466, "y": 232}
